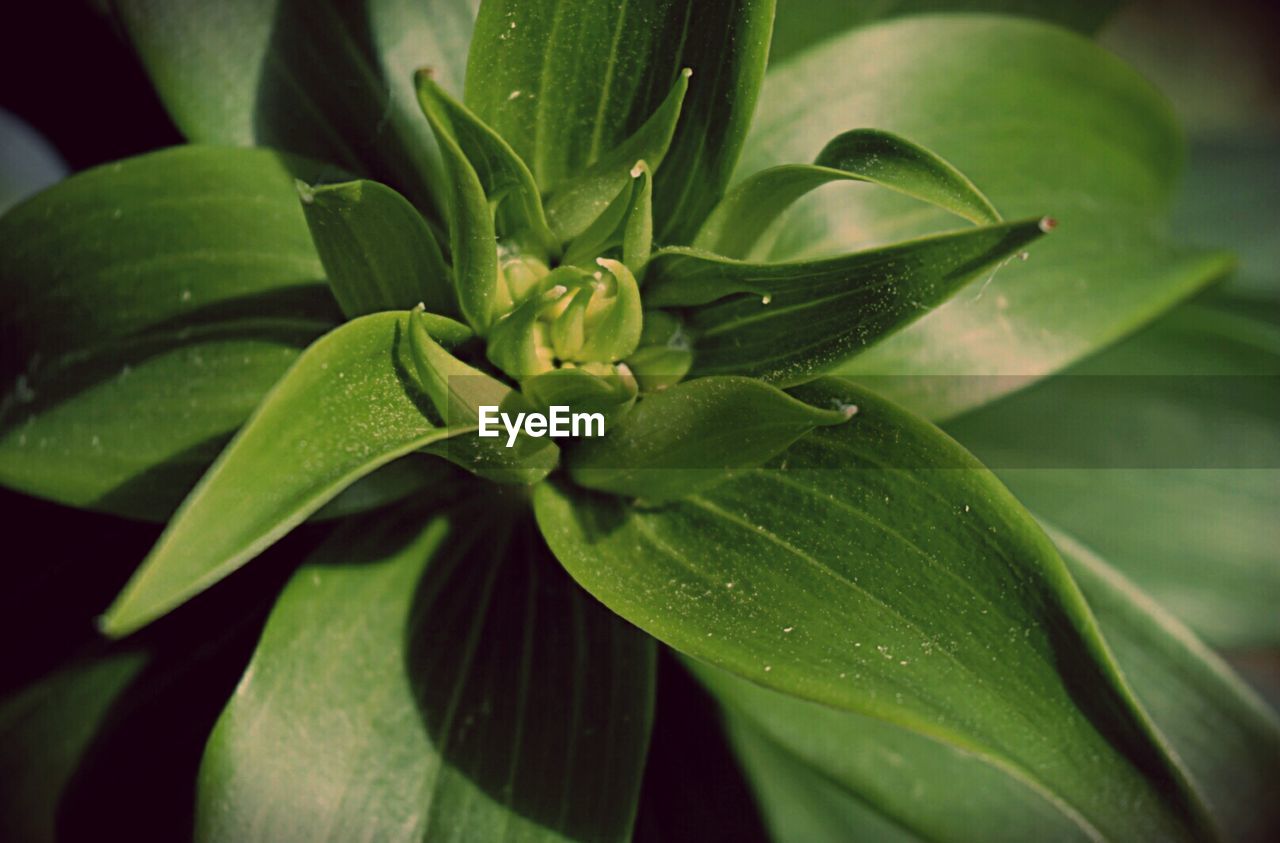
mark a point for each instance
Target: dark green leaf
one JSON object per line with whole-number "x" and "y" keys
{"x": 1223, "y": 735}
{"x": 736, "y": 226}
{"x": 344, "y": 409}
{"x": 566, "y": 82}
{"x": 178, "y": 237}
{"x": 45, "y": 731}
{"x": 472, "y": 237}
{"x": 694, "y": 435}
{"x": 803, "y": 23}
{"x": 804, "y": 318}
{"x": 130, "y": 426}
{"x": 582, "y": 198}
{"x": 503, "y": 176}
{"x": 438, "y": 679}
{"x": 327, "y": 79}
{"x": 1163, "y": 453}
{"x": 377, "y": 250}
{"x": 1045, "y": 122}
{"x": 846, "y": 573}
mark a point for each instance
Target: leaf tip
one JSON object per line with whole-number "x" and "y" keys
{"x": 1048, "y": 224}
{"x": 306, "y": 192}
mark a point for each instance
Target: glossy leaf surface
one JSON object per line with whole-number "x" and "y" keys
{"x": 804, "y": 318}
{"x": 464, "y": 687}
{"x": 1047, "y": 123}
{"x": 564, "y": 105}
{"x": 693, "y": 435}
{"x": 330, "y": 80}
{"x": 940, "y": 793}
{"x": 345, "y": 408}
{"x": 736, "y": 226}
{"x": 177, "y": 237}
{"x": 826, "y": 575}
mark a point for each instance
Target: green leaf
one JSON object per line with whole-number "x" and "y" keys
{"x": 845, "y": 573}
{"x": 694, "y": 435}
{"x": 581, "y": 199}
{"x": 801, "y": 804}
{"x": 505, "y": 179}
{"x": 593, "y": 388}
{"x": 344, "y": 409}
{"x": 807, "y": 317}
{"x": 377, "y": 250}
{"x": 626, "y": 222}
{"x": 1046, "y": 122}
{"x": 616, "y": 330}
{"x": 130, "y": 426}
{"x": 179, "y": 237}
{"x": 45, "y": 731}
{"x": 472, "y": 237}
{"x": 1163, "y": 453}
{"x": 735, "y": 228}
{"x": 176, "y": 285}
{"x": 458, "y": 391}
{"x": 462, "y": 686}
{"x": 566, "y": 82}
{"x": 326, "y": 79}
{"x": 1223, "y": 735}
{"x": 803, "y": 23}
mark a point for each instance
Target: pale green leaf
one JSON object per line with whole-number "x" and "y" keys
{"x": 735, "y": 228}
{"x": 1047, "y": 123}
{"x": 316, "y": 77}
{"x": 1163, "y": 453}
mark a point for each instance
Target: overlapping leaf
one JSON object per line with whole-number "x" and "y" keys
{"x": 172, "y": 291}
{"x": 433, "y": 679}
{"x": 377, "y": 250}
{"x": 345, "y": 408}
{"x": 968, "y": 628}
{"x": 940, "y": 793}
{"x": 325, "y": 79}
{"x": 804, "y": 318}
{"x": 1045, "y": 122}
{"x": 1162, "y": 452}
{"x": 566, "y": 82}
{"x": 735, "y": 228}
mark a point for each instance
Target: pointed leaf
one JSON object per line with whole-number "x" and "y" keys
{"x": 463, "y": 685}
{"x": 377, "y": 250}
{"x": 736, "y": 226}
{"x": 616, "y": 332}
{"x": 344, "y": 409}
{"x": 472, "y": 237}
{"x": 1221, "y": 732}
{"x": 1044, "y": 121}
{"x": 505, "y": 178}
{"x": 326, "y": 79}
{"x": 808, "y": 317}
{"x": 694, "y": 435}
{"x": 581, "y": 198}
{"x": 845, "y": 573}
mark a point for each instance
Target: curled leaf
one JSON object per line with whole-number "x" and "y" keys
{"x": 736, "y": 227}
